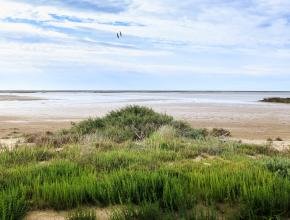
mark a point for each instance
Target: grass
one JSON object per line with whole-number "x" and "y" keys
{"x": 172, "y": 172}
{"x": 276, "y": 100}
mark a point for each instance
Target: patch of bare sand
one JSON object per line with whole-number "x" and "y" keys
{"x": 9, "y": 143}
{"x": 46, "y": 215}
{"x": 101, "y": 214}
{"x": 8, "y": 126}
{"x": 252, "y": 122}
{"x": 18, "y": 98}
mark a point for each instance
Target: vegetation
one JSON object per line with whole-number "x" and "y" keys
{"x": 276, "y": 100}
{"x": 150, "y": 166}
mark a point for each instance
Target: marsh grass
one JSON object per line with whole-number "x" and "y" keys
{"x": 158, "y": 175}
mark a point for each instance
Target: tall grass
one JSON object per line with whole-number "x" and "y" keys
{"x": 13, "y": 204}
{"x": 66, "y": 186}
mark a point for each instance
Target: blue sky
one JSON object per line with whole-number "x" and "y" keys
{"x": 166, "y": 44}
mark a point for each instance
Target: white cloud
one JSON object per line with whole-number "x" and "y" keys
{"x": 173, "y": 33}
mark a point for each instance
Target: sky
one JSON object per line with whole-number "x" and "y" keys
{"x": 166, "y": 44}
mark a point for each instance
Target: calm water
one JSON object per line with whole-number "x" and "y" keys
{"x": 55, "y": 103}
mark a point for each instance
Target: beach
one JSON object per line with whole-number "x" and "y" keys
{"x": 97, "y": 168}
{"x": 239, "y": 112}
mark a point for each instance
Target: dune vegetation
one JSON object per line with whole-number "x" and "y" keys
{"x": 147, "y": 166}
{"x": 276, "y": 100}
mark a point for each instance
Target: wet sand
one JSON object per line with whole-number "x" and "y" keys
{"x": 18, "y": 98}
{"x": 252, "y": 122}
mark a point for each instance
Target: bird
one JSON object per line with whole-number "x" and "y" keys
{"x": 119, "y": 35}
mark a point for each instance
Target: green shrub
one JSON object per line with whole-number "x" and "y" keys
{"x": 278, "y": 165}
{"x": 185, "y": 130}
{"x": 57, "y": 139}
{"x": 130, "y": 123}
{"x": 220, "y": 132}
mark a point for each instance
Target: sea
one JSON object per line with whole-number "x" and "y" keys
{"x": 82, "y": 103}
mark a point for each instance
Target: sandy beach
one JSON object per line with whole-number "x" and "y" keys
{"x": 17, "y": 98}
{"x": 245, "y": 121}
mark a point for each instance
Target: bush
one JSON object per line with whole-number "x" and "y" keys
{"x": 130, "y": 123}
{"x": 185, "y": 130}
{"x": 220, "y": 132}
{"x": 278, "y": 165}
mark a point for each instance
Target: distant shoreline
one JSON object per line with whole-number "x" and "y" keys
{"x": 276, "y": 100}
{"x": 135, "y": 91}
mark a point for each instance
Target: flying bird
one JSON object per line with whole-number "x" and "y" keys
{"x": 119, "y": 35}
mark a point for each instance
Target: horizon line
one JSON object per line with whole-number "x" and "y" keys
{"x": 129, "y": 91}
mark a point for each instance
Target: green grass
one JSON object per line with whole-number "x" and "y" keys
{"x": 167, "y": 174}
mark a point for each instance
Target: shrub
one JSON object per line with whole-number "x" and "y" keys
{"x": 57, "y": 139}
{"x": 185, "y": 130}
{"x": 130, "y": 123}
{"x": 279, "y": 165}
{"x": 220, "y": 132}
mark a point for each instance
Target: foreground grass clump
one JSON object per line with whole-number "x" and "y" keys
{"x": 172, "y": 172}
{"x": 13, "y": 204}
{"x": 276, "y": 100}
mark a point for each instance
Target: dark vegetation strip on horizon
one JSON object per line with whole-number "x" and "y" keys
{"x": 276, "y": 100}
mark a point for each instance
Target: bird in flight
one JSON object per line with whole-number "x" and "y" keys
{"x": 119, "y": 35}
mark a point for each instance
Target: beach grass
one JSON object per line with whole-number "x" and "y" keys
{"x": 167, "y": 171}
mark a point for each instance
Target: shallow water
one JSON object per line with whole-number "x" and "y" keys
{"x": 80, "y": 104}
